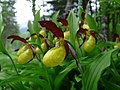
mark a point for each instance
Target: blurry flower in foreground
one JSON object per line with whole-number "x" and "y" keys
{"x": 117, "y": 41}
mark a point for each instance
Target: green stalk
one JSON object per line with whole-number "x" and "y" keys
{"x": 46, "y": 73}
{"x": 13, "y": 64}
{"x": 50, "y": 88}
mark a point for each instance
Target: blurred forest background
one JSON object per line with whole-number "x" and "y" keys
{"x": 106, "y": 13}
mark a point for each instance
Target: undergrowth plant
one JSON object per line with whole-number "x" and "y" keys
{"x": 62, "y": 54}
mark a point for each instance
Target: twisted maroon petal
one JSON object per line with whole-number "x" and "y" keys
{"x": 66, "y": 47}
{"x": 52, "y": 27}
{"x": 15, "y": 37}
{"x": 63, "y": 21}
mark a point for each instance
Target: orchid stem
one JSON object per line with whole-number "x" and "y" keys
{"x": 13, "y": 64}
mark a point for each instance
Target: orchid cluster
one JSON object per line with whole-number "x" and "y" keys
{"x": 53, "y": 56}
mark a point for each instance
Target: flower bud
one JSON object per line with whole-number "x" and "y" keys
{"x": 67, "y": 35}
{"x": 55, "y": 40}
{"x": 43, "y": 47}
{"x": 43, "y": 32}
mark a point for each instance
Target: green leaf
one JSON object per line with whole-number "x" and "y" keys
{"x": 80, "y": 10}
{"x": 30, "y": 27}
{"x": 2, "y": 49}
{"x": 62, "y": 74}
{"x": 36, "y": 24}
{"x": 1, "y": 23}
{"x": 105, "y": 44}
{"x": 118, "y": 29}
{"x": 73, "y": 26}
{"x": 17, "y": 86}
{"x": 118, "y": 1}
{"x": 14, "y": 79}
{"x": 92, "y": 23}
{"x": 94, "y": 70}
{"x": 110, "y": 85}
{"x": 55, "y": 17}
{"x": 37, "y": 16}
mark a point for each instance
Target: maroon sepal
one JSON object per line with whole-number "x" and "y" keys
{"x": 116, "y": 36}
{"x": 15, "y": 37}
{"x": 83, "y": 15}
{"x": 83, "y": 41}
{"x": 72, "y": 52}
{"x": 82, "y": 22}
{"x": 47, "y": 43}
{"x": 41, "y": 36}
{"x": 93, "y": 33}
{"x": 27, "y": 38}
{"x": 52, "y": 27}
{"x": 66, "y": 47}
{"x": 38, "y": 58}
{"x": 83, "y": 31}
{"x": 33, "y": 50}
{"x": 33, "y": 34}
{"x": 63, "y": 21}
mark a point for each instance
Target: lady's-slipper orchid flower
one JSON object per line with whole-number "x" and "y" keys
{"x": 26, "y": 53}
{"x": 89, "y": 39}
{"x": 57, "y": 54}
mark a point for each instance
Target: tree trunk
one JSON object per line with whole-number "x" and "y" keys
{"x": 84, "y": 4}
{"x": 68, "y": 5}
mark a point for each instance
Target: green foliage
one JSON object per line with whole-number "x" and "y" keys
{"x": 55, "y": 17}
{"x": 30, "y": 27}
{"x": 118, "y": 29}
{"x": 81, "y": 70}
{"x": 118, "y": 1}
{"x": 62, "y": 74}
{"x": 95, "y": 69}
{"x": 110, "y": 85}
{"x": 73, "y": 26}
{"x": 2, "y": 49}
{"x": 92, "y": 23}
{"x": 80, "y": 10}
{"x": 36, "y": 24}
